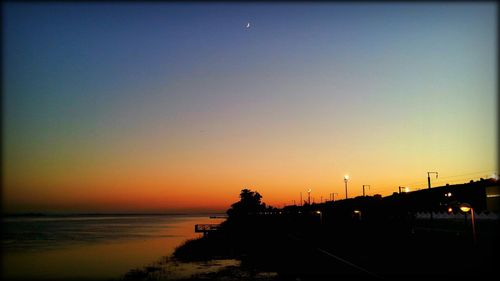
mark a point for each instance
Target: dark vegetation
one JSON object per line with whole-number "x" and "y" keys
{"x": 205, "y": 248}
{"x": 239, "y": 234}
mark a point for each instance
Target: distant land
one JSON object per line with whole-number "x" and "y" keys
{"x": 50, "y": 214}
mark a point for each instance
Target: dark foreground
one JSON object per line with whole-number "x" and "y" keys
{"x": 283, "y": 247}
{"x": 365, "y": 238}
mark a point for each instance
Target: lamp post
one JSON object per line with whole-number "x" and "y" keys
{"x": 357, "y": 213}
{"x": 320, "y": 217}
{"x": 364, "y": 188}
{"x": 346, "y": 178}
{"x": 465, "y": 208}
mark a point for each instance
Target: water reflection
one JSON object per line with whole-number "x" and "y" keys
{"x": 90, "y": 247}
{"x": 168, "y": 269}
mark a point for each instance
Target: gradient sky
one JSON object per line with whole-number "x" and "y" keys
{"x": 167, "y": 107}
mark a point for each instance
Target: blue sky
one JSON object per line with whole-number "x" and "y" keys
{"x": 179, "y": 84}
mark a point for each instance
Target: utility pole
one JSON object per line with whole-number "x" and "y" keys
{"x": 301, "y": 202}
{"x": 429, "y": 184}
{"x": 364, "y": 188}
{"x": 309, "y": 196}
{"x": 333, "y": 196}
{"x": 407, "y": 189}
{"x": 429, "y": 178}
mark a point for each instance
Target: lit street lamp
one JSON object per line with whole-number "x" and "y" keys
{"x": 465, "y": 208}
{"x": 346, "y": 178}
{"x": 357, "y": 213}
{"x": 320, "y": 216}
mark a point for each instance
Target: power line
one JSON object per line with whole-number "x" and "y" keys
{"x": 455, "y": 179}
{"x": 461, "y": 180}
{"x": 439, "y": 179}
{"x": 483, "y": 172}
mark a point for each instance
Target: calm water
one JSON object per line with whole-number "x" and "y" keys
{"x": 90, "y": 247}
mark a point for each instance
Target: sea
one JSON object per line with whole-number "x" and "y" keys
{"x": 90, "y": 247}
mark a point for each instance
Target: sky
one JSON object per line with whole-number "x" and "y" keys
{"x": 165, "y": 107}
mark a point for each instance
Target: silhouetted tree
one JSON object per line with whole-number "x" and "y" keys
{"x": 249, "y": 204}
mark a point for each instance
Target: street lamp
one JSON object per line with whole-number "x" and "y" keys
{"x": 346, "y": 178}
{"x": 465, "y": 208}
{"x": 357, "y": 213}
{"x": 320, "y": 216}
